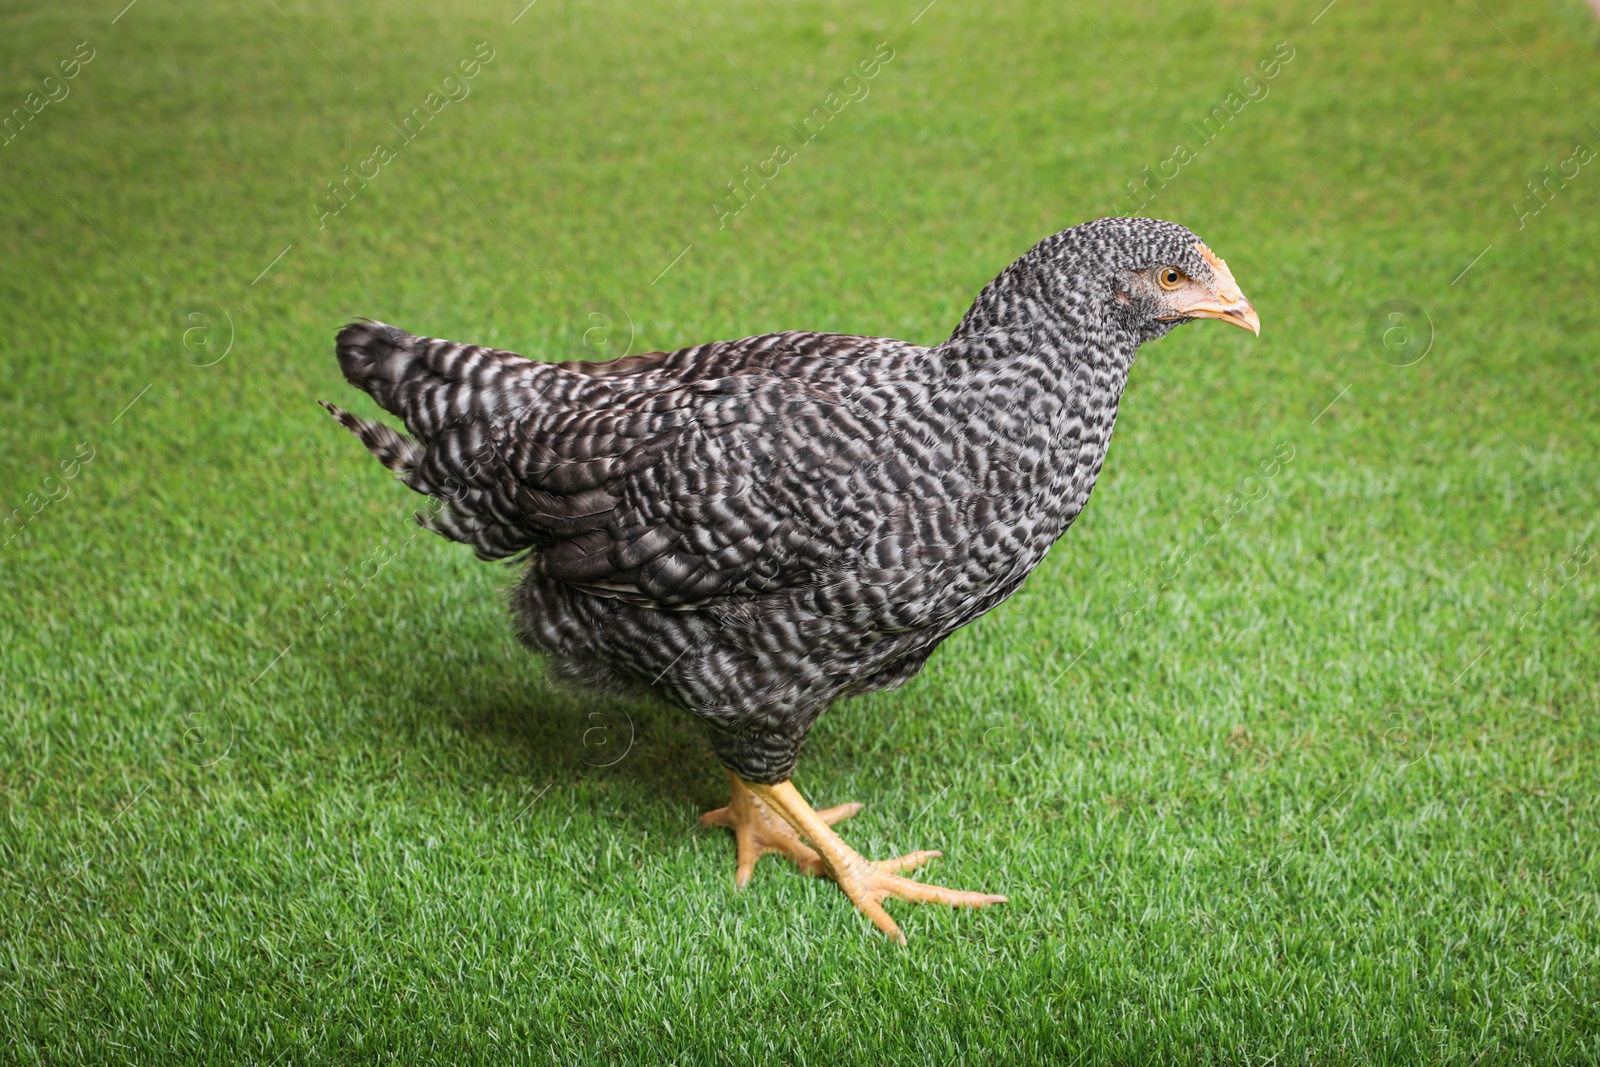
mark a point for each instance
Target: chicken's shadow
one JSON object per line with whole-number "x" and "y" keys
{"x": 657, "y": 753}
{"x": 503, "y": 723}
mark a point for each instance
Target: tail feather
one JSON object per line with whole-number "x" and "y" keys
{"x": 401, "y": 454}
{"x": 431, "y": 384}
{"x": 446, "y": 394}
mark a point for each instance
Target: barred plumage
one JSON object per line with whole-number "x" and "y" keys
{"x": 752, "y": 529}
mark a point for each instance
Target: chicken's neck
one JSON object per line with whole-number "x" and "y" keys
{"x": 1036, "y": 371}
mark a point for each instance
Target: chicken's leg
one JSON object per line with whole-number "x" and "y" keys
{"x": 757, "y": 830}
{"x": 865, "y": 882}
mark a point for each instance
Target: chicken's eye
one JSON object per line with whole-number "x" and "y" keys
{"x": 1169, "y": 277}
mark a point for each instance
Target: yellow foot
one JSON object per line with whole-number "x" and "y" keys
{"x": 866, "y": 883}
{"x": 758, "y": 831}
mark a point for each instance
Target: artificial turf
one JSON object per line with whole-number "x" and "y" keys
{"x": 1288, "y": 753}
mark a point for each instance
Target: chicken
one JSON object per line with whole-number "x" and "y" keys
{"x": 752, "y": 530}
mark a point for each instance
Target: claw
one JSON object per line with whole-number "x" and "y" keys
{"x": 757, "y": 830}
{"x": 866, "y": 883}
{"x": 909, "y": 862}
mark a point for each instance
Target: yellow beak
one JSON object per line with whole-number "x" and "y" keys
{"x": 1238, "y": 313}
{"x": 1227, "y": 302}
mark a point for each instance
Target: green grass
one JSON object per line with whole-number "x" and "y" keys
{"x": 1316, "y": 789}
